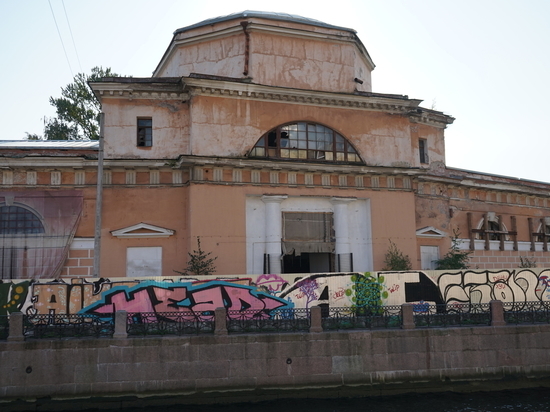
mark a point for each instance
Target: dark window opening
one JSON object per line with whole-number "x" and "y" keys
{"x": 423, "y": 150}
{"x": 145, "y": 132}
{"x": 306, "y": 142}
{"x": 540, "y": 236}
{"x": 494, "y": 227}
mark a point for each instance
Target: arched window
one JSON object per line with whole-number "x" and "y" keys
{"x": 18, "y": 220}
{"x": 305, "y": 141}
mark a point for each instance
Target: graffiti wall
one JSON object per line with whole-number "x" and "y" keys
{"x": 265, "y": 293}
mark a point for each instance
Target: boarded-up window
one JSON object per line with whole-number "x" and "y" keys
{"x": 305, "y": 232}
{"x": 144, "y": 261}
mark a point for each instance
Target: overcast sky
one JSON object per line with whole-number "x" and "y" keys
{"x": 485, "y": 62}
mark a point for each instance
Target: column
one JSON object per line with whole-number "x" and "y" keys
{"x": 273, "y": 231}
{"x": 341, "y": 231}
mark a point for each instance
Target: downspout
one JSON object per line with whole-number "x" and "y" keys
{"x": 246, "y": 47}
{"x": 99, "y": 198}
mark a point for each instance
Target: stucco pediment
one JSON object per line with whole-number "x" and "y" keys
{"x": 142, "y": 230}
{"x": 430, "y": 231}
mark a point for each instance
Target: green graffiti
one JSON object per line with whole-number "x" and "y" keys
{"x": 367, "y": 292}
{"x": 12, "y": 296}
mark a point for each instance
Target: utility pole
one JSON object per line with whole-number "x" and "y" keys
{"x": 99, "y": 198}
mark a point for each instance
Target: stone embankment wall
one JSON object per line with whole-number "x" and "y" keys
{"x": 218, "y": 368}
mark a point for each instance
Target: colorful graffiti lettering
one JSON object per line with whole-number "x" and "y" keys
{"x": 339, "y": 294}
{"x": 262, "y": 292}
{"x": 482, "y": 287}
{"x": 188, "y": 298}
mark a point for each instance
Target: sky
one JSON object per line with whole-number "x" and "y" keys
{"x": 484, "y": 62}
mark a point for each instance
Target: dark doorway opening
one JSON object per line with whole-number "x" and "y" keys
{"x": 308, "y": 263}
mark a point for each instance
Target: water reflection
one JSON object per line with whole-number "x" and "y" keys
{"x": 528, "y": 400}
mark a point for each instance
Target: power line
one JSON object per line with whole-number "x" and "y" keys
{"x": 72, "y": 38}
{"x": 60, "y": 38}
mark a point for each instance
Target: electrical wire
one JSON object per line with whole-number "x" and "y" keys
{"x": 72, "y": 38}
{"x": 60, "y": 38}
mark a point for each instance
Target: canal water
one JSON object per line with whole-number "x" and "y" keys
{"x": 528, "y": 400}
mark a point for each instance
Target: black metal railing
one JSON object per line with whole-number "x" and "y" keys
{"x": 57, "y": 326}
{"x": 4, "y": 327}
{"x": 375, "y": 317}
{"x": 263, "y": 321}
{"x": 526, "y": 312}
{"x": 169, "y": 323}
{"x": 456, "y": 314}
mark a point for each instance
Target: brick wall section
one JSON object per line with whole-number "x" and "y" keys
{"x": 496, "y": 259}
{"x": 80, "y": 263}
{"x": 257, "y": 367}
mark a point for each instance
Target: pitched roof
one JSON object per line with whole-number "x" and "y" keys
{"x": 49, "y": 144}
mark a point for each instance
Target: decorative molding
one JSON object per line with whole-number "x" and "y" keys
{"x": 430, "y": 232}
{"x": 142, "y": 230}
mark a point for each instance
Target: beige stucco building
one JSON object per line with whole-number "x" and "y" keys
{"x": 260, "y": 134}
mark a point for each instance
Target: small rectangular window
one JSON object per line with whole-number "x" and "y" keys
{"x": 145, "y": 132}
{"x": 423, "y": 150}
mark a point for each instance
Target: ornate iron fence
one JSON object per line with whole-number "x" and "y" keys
{"x": 456, "y": 314}
{"x": 526, "y": 312}
{"x": 262, "y": 321}
{"x": 169, "y": 323}
{"x": 59, "y": 326}
{"x": 377, "y": 317}
{"x": 4, "y": 327}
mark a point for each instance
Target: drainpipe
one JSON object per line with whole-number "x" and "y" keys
{"x": 99, "y": 198}
{"x": 246, "y": 47}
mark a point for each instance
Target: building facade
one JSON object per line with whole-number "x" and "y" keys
{"x": 259, "y": 133}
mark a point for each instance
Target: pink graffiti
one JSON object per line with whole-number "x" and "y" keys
{"x": 274, "y": 283}
{"x": 238, "y": 300}
{"x": 140, "y": 302}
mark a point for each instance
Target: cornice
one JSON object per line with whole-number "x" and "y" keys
{"x": 290, "y": 166}
{"x": 372, "y": 102}
{"x": 35, "y": 163}
{"x": 469, "y": 183}
{"x": 130, "y": 91}
{"x": 195, "y": 85}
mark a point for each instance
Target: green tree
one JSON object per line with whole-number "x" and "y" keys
{"x": 200, "y": 263}
{"x": 395, "y": 259}
{"x": 77, "y": 110}
{"x": 454, "y": 258}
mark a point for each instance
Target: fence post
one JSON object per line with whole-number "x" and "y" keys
{"x": 121, "y": 318}
{"x": 16, "y": 327}
{"x": 220, "y": 321}
{"x": 497, "y": 313}
{"x": 407, "y": 316}
{"x": 315, "y": 317}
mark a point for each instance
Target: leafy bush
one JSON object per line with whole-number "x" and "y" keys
{"x": 454, "y": 258}
{"x": 396, "y": 260}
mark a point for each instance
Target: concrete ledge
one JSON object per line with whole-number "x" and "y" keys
{"x": 241, "y": 367}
